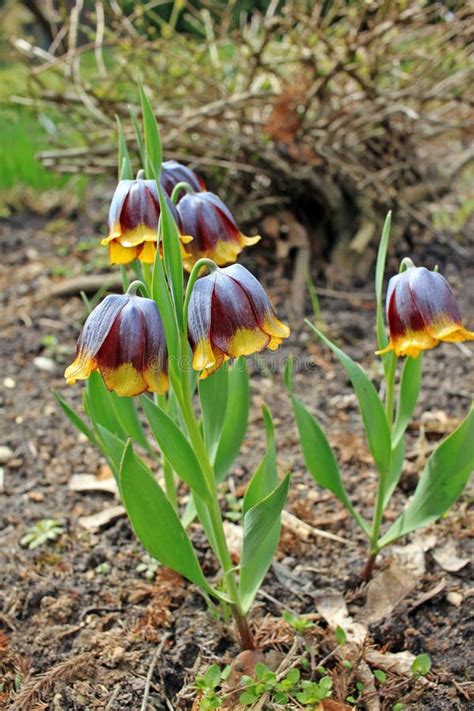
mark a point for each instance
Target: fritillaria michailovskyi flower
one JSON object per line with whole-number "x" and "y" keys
{"x": 230, "y": 315}
{"x": 421, "y": 312}
{"x": 215, "y": 235}
{"x": 123, "y": 339}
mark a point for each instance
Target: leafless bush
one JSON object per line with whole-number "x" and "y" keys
{"x": 337, "y": 115}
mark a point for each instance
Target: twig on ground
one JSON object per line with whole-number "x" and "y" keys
{"x": 149, "y": 676}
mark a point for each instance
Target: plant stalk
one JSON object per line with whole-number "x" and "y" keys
{"x": 192, "y": 426}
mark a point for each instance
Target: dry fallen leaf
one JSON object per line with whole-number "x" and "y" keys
{"x": 447, "y": 558}
{"x": 333, "y": 608}
{"x": 101, "y": 519}
{"x": 385, "y": 591}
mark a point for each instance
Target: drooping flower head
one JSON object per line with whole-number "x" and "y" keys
{"x": 421, "y": 312}
{"x": 173, "y": 173}
{"x": 133, "y": 221}
{"x": 123, "y": 339}
{"x": 204, "y": 217}
{"x": 230, "y": 315}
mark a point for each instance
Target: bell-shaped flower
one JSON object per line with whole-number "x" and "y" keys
{"x": 133, "y": 222}
{"x": 421, "y": 312}
{"x": 230, "y": 315}
{"x": 215, "y": 235}
{"x": 123, "y": 339}
{"x": 173, "y": 173}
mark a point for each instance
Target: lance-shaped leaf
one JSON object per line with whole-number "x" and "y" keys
{"x": 410, "y": 381}
{"x": 153, "y": 147}
{"x": 175, "y": 447}
{"x": 371, "y": 408}
{"x": 320, "y": 460}
{"x": 261, "y": 534}
{"x": 125, "y": 170}
{"x": 77, "y": 421}
{"x": 112, "y": 448}
{"x": 99, "y": 406}
{"x": 396, "y": 466}
{"x": 213, "y": 394}
{"x": 265, "y": 478}
{"x": 236, "y": 417}
{"x": 171, "y": 251}
{"x": 155, "y": 521}
{"x": 444, "y": 477}
{"x": 382, "y": 339}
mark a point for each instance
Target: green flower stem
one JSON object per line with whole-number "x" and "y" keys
{"x": 179, "y": 188}
{"x": 405, "y": 264}
{"x": 134, "y": 286}
{"x": 170, "y": 483}
{"x": 195, "y": 436}
{"x": 212, "y": 266}
{"x": 147, "y": 276}
{"x": 390, "y": 383}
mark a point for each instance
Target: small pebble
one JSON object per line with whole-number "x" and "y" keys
{"x": 36, "y": 496}
{"x": 9, "y": 383}
{"x": 454, "y": 598}
{"x": 47, "y": 365}
{"x": 5, "y": 454}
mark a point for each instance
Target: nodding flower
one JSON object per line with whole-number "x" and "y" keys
{"x": 230, "y": 315}
{"x": 173, "y": 173}
{"x": 421, "y": 312}
{"x": 123, "y": 339}
{"x": 215, "y": 235}
{"x": 133, "y": 221}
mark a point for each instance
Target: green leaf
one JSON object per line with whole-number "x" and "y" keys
{"x": 139, "y": 137}
{"x": 171, "y": 252}
{"x": 261, "y": 534}
{"x": 153, "y": 148}
{"x": 212, "y": 676}
{"x": 410, "y": 381}
{"x": 320, "y": 460}
{"x": 125, "y": 170}
{"x": 213, "y": 394}
{"x": 127, "y": 416}
{"x": 444, "y": 477}
{"x": 236, "y": 418}
{"x": 175, "y": 447}
{"x": 380, "y": 675}
{"x": 340, "y": 634}
{"x": 421, "y": 665}
{"x": 396, "y": 465}
{"x": 155, "y": 521}
{"x": 99, "y": 406}
{"x": 112, "y": 448}
{"x": 77, "y": 421}
{"x": 371, "y": 408}
{"x": 265, "y": 478}
{"x": 382, "y": 339}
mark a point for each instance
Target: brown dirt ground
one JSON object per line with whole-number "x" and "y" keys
{"x": 76, "y": 618}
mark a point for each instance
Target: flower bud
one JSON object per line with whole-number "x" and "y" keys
{"x": 123, "y": 339}
{"x": 421, "y": 312}
{"x": 230, "y": 315}
{"x": 173, "y": 173}
{"x": 133, "y": 221}
{"x": 215, "y": 235}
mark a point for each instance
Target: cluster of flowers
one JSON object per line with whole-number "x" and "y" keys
{"x": 229, "y": 312}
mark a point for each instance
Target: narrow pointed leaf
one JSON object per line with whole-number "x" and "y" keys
{"x": 320, "y": 460}
{"x": 155, "y": 521}
{"x": 126, "y": 412}
{"x": 99, "y": 406}
{"x": 153, "y": 148}
{"x": 236, "y": 418}
{"x": 213, "y": 394}
{"x": 139, "y": 137}
{"x": 396, "y": 466}
{"x": 125, "y": 170}
{"x": 371, "y": 408}
{"x": 112, "y": 448}
{"x": 443, "y": 479}
{"x": 410, "y": 382}
{"x": 175, "y": 447}
{"x": 77, "y": 421}
{"x": 261, "y": 534}
{"x": 382, "y": 339}
{"x": 265, "y": 478}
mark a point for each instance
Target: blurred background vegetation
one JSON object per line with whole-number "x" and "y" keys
{"x": 317, "y": 114}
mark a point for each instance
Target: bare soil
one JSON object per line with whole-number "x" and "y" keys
{"x": 79, "y": 625}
